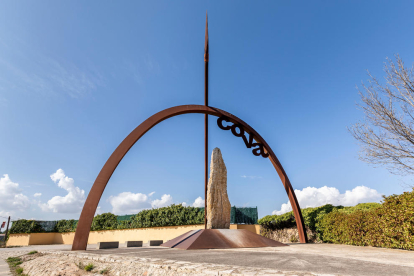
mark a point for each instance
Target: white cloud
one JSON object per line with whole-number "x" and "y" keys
{"x": 72, "y": 202}
{"x": 11, "y": 198}
{"x": 37, "y": 194}
{"x": 150, "y": 194}
{"x": 129, "y": 203}
{"x": 199, "y": 202}
{"x": 315, "y": 197}
{"x": 165, "y": 200}
{"x": 98, "y": 211}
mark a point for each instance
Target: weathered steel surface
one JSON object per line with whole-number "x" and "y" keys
{"x": 94, "y": 196}
{"x": 221, "y": 239}
{"x": 179, "y": 239}
{"x": 241, "y": 133}
{"x": 205, "y": 122}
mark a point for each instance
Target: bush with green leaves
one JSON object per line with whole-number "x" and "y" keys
{"x": 105, "y": 221}
{"x": 287, "y": 220}
{"x": 63, "y": 226}
{"x": 166, "y": 216}
{"x": 26, "y": 227}
{"x": 311, "y": 218}
{"x": 89, "y": 267}
{"x": 389, "y": 225}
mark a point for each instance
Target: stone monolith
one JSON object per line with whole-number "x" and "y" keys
{"x": 218, "y": 204}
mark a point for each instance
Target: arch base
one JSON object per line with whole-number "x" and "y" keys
{"x": 220, "y": 239}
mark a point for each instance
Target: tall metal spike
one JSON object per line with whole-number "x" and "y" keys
{"x": 205, "y": 123}
{"x": 206, "y": 41}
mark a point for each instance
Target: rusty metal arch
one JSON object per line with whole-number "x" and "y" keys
{"x": 85, "y": 221}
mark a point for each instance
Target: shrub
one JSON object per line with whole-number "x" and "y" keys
{"x": 89, "y": 267}
{"x": 105, "y": 221}
{"x": 287, "y": 220}
{"x": 64, "y": 225}
{"x": 32, "y": 252}
{"x": 360, "y": 207}
{"x": 19, "y": 270}
{"x": 167, "y": 216}
{"x": 390, "y": 224}
{"x": 26, "y": 226}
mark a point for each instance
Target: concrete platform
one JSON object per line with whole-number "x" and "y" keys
{"x": 220, "y": 239}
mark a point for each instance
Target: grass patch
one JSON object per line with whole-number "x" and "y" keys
{"x": 89, "y": 267}
{"x": 14, "y": 261}
{"x": 32, "y": 252}
{"x": 104, "y": 271}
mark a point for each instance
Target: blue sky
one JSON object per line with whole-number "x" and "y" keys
{"x": 76, "y": 77}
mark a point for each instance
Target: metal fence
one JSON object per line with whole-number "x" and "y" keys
{"x": 243, "y": 215}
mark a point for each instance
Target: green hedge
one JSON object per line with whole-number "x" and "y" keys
{"x": 25, "y": 226}
{"x": 287, "y": 220}
{"x": 63, "y": 226}
{"x": 311, "y": 216}
{"x": 166, "y": 216}
{"x": 105, "y": 221}
{"x": 390, "y": 224}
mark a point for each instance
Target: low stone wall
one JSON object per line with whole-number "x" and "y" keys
{"x": 142, "y": 234}
{"x": 288, "y": 235}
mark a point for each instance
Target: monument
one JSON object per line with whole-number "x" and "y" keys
{"x": 217, "y": 234}
{"x": 218, "y": 204}
{"x": 206, "y": 238}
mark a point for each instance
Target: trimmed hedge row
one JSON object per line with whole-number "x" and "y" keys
{"x": 166, "y": 216}
{"x": 389, "y": 225}
{"x": 23, "y": 226}
{"x": 311, "y": 216}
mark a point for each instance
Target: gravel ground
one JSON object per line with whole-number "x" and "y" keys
{"x": 65, "y": 263}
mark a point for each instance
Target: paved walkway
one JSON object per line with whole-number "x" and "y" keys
{"x": 320, "y": 259}
{"x": 4, "y": 268}
{"x": 314, "y": 258}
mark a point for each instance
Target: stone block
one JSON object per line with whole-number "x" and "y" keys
{"x": 156, "y": 242}
{"x": 218, "y": 204}
{"x": 134, "y": 244}
{"x": 108, "y": 245}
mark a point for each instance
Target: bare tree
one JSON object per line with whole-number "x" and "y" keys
{"x": 386, "y": 135}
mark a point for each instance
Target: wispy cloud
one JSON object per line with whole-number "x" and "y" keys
{"x": 251, "y": 176}
{"x": 24, "y": 70}
{"x": 152, "y": 65}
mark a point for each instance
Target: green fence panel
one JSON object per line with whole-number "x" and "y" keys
{"x": 243, "y": 215}
{"x": 124, "y": 217}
